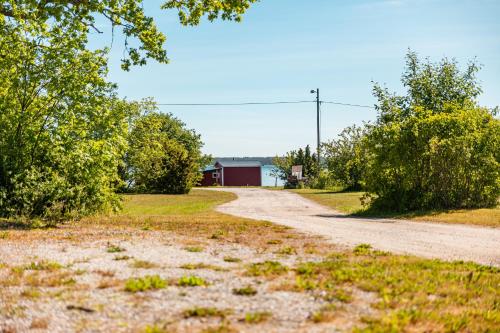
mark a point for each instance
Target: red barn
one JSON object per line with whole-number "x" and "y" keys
{"x": 233, "y": 173}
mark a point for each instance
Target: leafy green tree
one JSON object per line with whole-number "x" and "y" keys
{"x": 62, "y": 129}
{"x": 127, "y": 15}
{"x": 434, "y": 147}
{"x": 164, "y": 156}
{"x": 346, "y": 158}
{"x": 297, "y": 157}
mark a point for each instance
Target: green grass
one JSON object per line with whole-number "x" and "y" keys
{"x": 266, "y": 268}
{"x": 43, "y": 266}
{"x": 231, "y": 259}
{"x": 149, "y": 282}
{"x": 193, "y": 249}
{"x": 205, "y": 312}
{"x": 257, "y": 317}
{"x": 143, "y": 264}
{"x": 192, "y": 281}
{"x": 197, "y": 201}
{"x": 201, "y": 265}
{"x": 430, "y": 295}
{"x": 287, "y": 250}
{"x": 114, "y": 248}
{"x": 349, "y": 203}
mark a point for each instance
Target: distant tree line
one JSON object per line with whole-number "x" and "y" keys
{"x": 433, "y": 148}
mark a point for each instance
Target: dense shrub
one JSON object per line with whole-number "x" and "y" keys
{"x": 434, "y": 148}
{"x": 346, "y": 159}
{"x": 164, "y": 156}
{"x": 62, "y": 131}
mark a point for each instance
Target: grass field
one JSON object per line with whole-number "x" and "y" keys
{"x": 349, "y": 203}
{"x": 409, "y": 293}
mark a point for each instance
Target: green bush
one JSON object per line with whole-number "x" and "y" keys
{"x": 164, "y": 156}
{"x": 346, "y": 159}
{"x": 434, "y": 148}
{"x": 60, "y": 148}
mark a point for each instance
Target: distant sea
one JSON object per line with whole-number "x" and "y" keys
{"x": 267, "y": 180}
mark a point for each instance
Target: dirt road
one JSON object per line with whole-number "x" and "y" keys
{"x": 433, "y": 240}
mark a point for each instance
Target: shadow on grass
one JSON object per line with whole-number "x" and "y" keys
{"x": 8, "y": 224}
{"x": 350, "y": 216}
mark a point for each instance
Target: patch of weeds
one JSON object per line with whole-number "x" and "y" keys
{"x": 341, "y": 295}
{"x": 145, "y": 283}
{"x": 43, "y": 266}
{"x": 245, "y": 291}
{"x": 257, "y": 317}
{"x": 201, "y": 266}
{"x": 192, "y": 281}
{"x": 287, "y": 250}
{"x": 52, "y": 280}
{"x": 379, "y": 253}
{"x": 193, "y": 249}
{"x": 362, "y": 249}
{"x": 305, "y": 283}
{"x": 143, "y": 264}
{"x": 122, "y": 257}
{"x": 274, "y": 241}
{"x": 306, "y": 269}
{"x": 266, "y": 268}
{"x": 325, "y": 314}
{"x": 205, "y": 312}
{"x": 146, "y": 227}
{"x": 4, "y": 235}
{"x": 31, "y": 293}
{"x": 232, "y": 259}
{"x": 218, "y": 234}
{"x": 114, "y": 248}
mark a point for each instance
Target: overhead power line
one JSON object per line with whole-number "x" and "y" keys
{"x": 264, "y": 103}
{"x": 349, "y": 104}
{"x": 233, "y": 104}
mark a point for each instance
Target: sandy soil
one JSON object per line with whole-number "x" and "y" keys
{"x": 432, "y": 240}
{"x": 95, "y": 300}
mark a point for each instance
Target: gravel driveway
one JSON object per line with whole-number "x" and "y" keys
{"x": 433, "y": 240}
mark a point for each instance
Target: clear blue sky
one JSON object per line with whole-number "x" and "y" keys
{"x": 285, "y": 48}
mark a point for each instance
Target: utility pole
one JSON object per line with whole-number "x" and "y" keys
{"x": 318, "y": 148}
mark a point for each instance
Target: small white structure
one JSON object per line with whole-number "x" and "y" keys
{"x": 297, "y": 171}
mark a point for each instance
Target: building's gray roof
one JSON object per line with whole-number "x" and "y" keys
{"x": 240, "y": 164}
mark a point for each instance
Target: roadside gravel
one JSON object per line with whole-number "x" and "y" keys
{"x": 97, "y": 302}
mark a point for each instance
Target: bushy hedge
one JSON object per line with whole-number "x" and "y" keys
{"x": 431, "y": 160}
{"x": 434, "y": 147}
{"x": 164, "y": 156}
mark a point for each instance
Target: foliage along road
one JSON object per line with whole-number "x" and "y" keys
{"x": 432, "y": 240}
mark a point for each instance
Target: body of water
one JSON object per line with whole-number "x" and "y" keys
{"x": 267, "y": 179}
